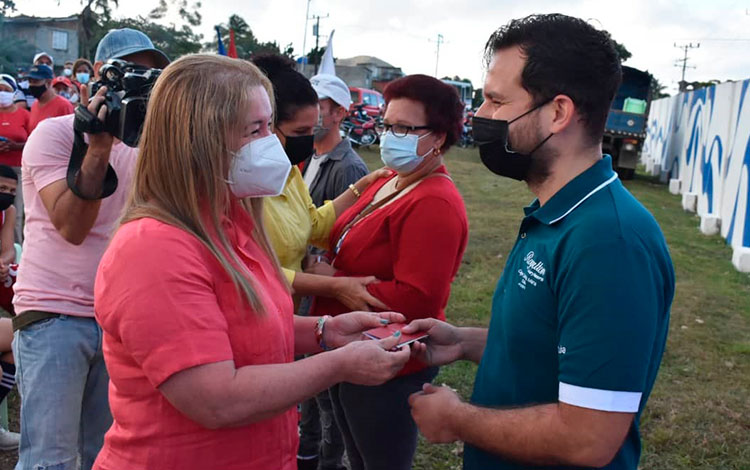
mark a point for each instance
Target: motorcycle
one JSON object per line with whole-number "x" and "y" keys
{"x": 467, "y": 137}
{"x": 360, "y": 128}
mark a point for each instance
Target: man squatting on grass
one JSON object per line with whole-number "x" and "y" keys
{"x": 581, "y": 311}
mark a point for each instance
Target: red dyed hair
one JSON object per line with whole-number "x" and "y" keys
{"x": 443, "y": 107}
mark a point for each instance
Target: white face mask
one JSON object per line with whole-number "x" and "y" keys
{"x": 6, "y": 98}
{"x": 259, "y": 169}
{"x": 67, "y": 72}
{"x": 73, "y": 98}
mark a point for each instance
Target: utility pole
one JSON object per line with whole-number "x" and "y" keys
{"x": 304, "y": 38}
{"x": 316, "y": 32}
{"x": 437, "y": 53}
{"x": 684, "y": 61}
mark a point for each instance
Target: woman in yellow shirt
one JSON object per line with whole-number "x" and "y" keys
{"x": 291, "y": 218}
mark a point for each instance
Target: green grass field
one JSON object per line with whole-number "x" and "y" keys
{"x": 698, "y": 416}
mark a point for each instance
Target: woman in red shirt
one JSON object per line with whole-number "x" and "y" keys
{"x": 14, "y": 131}
{"x": 14, "y": 124}
{"x": 199, "y": 334}
{"x": 409, "y": 230}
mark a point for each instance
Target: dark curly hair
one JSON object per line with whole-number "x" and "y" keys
{"x": 564, "y": 56}
{"x": 443, "y": 107}
{"x": 291, "y": 89}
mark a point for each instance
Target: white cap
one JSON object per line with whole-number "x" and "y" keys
{"x": 331, "y": 86}
{"x": 43, "y": 54}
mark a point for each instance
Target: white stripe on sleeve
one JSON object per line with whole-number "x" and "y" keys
{"x": 602, "y": 400}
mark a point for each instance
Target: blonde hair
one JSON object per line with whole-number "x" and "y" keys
{"x": 184, "y": 159}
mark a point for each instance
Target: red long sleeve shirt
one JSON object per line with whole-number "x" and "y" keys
{"x": 414, "y": 245}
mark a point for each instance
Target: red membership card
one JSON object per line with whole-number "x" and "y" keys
{"x": 388, "y": 330}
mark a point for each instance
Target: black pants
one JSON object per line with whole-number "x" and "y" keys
{"x": 376, "y": 423}
{"x": 319, "y": 436}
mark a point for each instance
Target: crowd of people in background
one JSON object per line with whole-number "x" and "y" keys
{"x": 205, "y": 307}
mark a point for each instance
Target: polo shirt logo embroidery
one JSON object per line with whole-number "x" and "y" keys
{"x": 535, "y": 271}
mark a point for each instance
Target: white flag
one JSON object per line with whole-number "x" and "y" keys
{"x": 326, "y": 63}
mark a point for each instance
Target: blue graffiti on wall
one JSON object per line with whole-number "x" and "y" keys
{"x": 746, "y": 170}
{"x": 709, "y": 151}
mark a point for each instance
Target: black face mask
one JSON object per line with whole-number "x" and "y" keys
{"x": 37, "y": 91}
{"x": 298, "y": 148}
{"x": 6, "y": 200}
{"x": 494, "y": 149}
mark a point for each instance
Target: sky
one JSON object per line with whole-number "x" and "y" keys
{"x": 404, "y": 32}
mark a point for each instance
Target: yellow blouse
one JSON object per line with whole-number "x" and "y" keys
{"x": 293, "y": 222}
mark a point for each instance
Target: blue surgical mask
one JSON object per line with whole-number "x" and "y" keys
{"x": 82, "y": 77}
{"x": 400, "y": 153}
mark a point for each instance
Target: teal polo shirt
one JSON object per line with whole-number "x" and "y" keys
{"x": 581, "y": 311}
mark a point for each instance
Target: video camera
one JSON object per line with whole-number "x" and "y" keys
{"x": 128, "y": 89}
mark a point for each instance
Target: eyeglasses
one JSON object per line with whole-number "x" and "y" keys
{"x": 399, "y": 130}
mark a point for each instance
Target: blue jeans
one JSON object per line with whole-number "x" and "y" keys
{"x": 63, "y": 383}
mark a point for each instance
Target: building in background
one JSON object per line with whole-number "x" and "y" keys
{"x": 367, "y": 72}
{"x": 362, "y": 71}
{"x": 55, "y": 36}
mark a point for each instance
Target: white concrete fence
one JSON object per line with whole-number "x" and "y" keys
{"x": 699, "y": 143}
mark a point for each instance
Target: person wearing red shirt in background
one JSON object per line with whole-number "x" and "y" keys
{"x": 64, "y": 87}
{"x": 14, "y": 130}
{"x": 48, "y": 104}
{"x": 410, "y": 231}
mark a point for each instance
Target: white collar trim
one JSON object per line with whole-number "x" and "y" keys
{"x": 593, "y": 191}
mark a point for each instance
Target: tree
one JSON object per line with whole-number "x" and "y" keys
{"x": 174, "y": 40}
{"x": 12, "y": 50}
{"x": 658, "y": 90}
{"x": 288, "y": 51}
{"x": 90, "y": 23}
{"x": 6, "y": 6}
{"x": 477, "y": 99}
{"x": 698, "y": 85}
{"x": 315, "y": 55}
{"x": 456, "y": 78}
{"x": 622, "y": 51}
{"x": 245, "y": 41}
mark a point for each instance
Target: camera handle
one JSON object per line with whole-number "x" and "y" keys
{"x": 86, "y": 122}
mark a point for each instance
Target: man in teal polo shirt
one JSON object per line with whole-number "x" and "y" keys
{"x": 581, "y": 312}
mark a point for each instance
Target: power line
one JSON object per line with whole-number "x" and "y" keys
{"x": 718, "y": 39}
{"x": 684, "y": 61}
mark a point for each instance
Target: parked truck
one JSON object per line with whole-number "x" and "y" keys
{"x": 626, "y": 124}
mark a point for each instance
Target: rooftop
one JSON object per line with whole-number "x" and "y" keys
{"x": 363, "y": 60}
{"x": 38, "y": 19}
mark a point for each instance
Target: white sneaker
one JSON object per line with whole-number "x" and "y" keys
{"x": 9, "y": 440}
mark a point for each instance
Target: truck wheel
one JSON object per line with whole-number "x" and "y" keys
{"x": 625, "y": 174}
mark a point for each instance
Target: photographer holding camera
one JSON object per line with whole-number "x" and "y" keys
{"x": 70, "y": 217}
